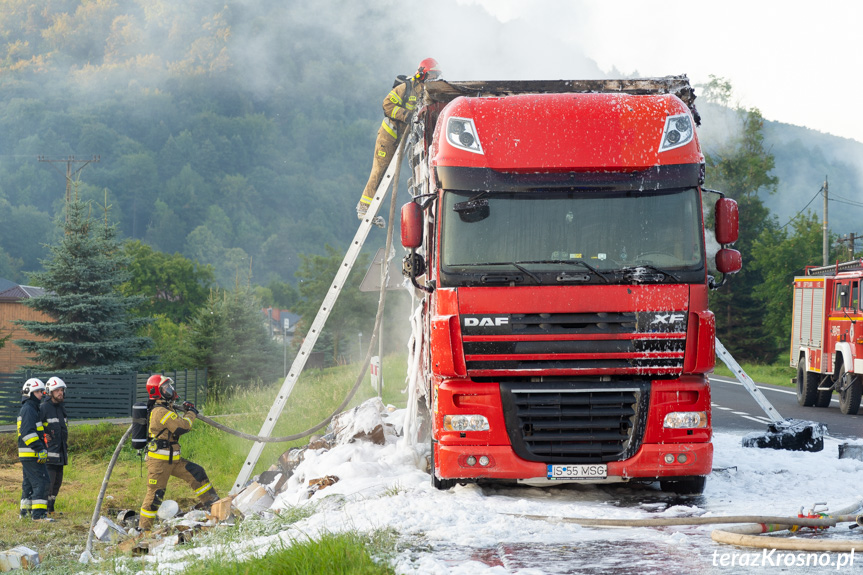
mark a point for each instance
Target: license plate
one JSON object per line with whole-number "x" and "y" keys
{"x": 578, "y": 471}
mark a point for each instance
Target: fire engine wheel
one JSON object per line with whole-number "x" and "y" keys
{"x": 807, "y": 385}
{"x": 684, "y": 486}
{"x": 441, "y": 484}
{"x": 849, "y": 398}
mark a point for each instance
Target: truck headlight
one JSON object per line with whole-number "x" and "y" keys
{"x": 678, "y": 132}
{"x": 465, "y": 423}
{"x": 685, "y": 420}
{"x": 461, "y": 133}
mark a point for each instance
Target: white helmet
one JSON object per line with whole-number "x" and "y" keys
{"x": 31, "y": 385}
{"x": 55, "y": 383}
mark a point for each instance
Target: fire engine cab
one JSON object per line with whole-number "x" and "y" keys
{"x": 826, "y": 342}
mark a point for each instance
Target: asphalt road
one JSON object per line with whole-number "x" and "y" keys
{"x": 734, "y": 409}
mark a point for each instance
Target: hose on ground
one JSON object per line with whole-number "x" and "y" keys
{"x": 87, "y": 555}
{"x": 745, "y": 535}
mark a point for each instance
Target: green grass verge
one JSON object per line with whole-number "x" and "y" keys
{"x": 315, "y": 396}
{"x": 333, "y": 553}
{"x": 774, "y": 373}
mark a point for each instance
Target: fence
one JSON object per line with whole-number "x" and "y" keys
{"x": 99, "y": 396}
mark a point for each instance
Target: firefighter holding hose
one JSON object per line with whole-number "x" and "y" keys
{"x": 163, "y": 451}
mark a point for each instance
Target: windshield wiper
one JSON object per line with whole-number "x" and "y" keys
{"x": 571, "y": 263}
{"x": 513, "y": 264}
{"x": 632, "y": 272}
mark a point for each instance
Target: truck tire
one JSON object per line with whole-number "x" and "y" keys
{"x": 440, "y": 484}
{"x": 849, "y": 398}
{"x": 807, "y": 385}
{"x": 684, "y": 486}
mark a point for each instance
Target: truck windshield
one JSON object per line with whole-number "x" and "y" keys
{"x": 550, "y": 237}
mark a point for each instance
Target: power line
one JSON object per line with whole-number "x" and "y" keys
{"x": 818, "y": 193}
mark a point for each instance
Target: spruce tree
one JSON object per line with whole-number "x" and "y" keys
{"x": 94, "y": 330}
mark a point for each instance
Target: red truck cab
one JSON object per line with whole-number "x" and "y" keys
{"x": 557, "y": 241}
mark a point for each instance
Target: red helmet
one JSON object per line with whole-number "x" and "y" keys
{"x": 161, "y": 387}
{"x": 428, "y": 70}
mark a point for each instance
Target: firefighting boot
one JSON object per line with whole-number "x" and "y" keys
{"x": 362, "y": 210}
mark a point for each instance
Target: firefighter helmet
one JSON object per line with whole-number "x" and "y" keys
{"x": 55, "y": 383}
{"x": 31, "y": 385}
{"x": 428, "y": 70}
{"x": 161, "y": 387}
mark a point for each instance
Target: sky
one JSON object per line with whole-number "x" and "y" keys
{"x": 792, "y": 60}
{"x": 472, "y": 530}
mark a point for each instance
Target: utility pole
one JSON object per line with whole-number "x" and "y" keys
{"x": 69, "y": 160}
{"x": 825, "y": 240}
{"x": 849, "y": 239}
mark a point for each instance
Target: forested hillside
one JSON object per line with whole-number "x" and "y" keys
{"x": 240, "y": 134}
{"x": 226, "y": 133}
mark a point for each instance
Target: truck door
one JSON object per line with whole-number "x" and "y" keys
{"x": 844, "y": 307}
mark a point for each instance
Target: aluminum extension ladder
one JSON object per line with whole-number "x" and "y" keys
{"x": 317, "y": 325}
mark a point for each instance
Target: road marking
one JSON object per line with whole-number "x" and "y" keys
{"x": 757, "y": 419}
{"x": 735, "y": 382}
{"x": 740, "y": 413}
{"x": 720, "y": 407}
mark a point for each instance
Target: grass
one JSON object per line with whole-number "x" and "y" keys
{"x": 333, "y": 553}
{"x": 775, "y": 373}
{"x": 314, "y": 397}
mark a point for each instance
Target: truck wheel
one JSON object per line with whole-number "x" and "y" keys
{"x": 807, "y": 385}
{"x": 441, "y": 484}
{"x": 685, "y": 486}
{"x": 849, "y": 399}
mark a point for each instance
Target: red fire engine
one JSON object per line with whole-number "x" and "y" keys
{"x": 557, "y": 241}
{"x": 826, "y": 342}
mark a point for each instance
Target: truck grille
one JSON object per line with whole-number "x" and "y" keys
{"x": 634, "y": 343}
{"x": 575, "y": 422}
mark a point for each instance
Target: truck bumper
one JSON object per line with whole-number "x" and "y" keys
{"x": 649, "y": 462}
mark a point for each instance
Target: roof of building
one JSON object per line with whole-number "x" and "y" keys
{"x": 6, "y": 284}
{"x": 19, "y": 292}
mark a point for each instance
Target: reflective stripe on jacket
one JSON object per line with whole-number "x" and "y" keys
{"x": 30, "y": 429}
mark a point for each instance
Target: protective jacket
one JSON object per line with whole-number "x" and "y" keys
{"x": 56, "y": 431}
{"x": 166, "y": 427}
{"x": 30, "y": 430}
{"x": 400, "y": 104}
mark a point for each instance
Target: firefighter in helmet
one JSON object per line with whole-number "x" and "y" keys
{"x": 163, "y": 450}
{"x": 399, "y": 104}
{"x": 32, "y": 453}
{"x": 53, "y": 414}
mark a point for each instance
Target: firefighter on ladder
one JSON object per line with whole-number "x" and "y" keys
{"x": 163, "y": 451}
{"x": 398, "y": 106}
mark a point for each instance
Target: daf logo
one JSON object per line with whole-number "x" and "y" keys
{"x": 668, "y": 318}
{"x": 485, "y": 321}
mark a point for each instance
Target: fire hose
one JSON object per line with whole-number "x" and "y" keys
{"x": 747, "y": 534}
{"x": 87, "y": 555}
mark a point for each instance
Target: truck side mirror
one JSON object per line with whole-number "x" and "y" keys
{"x": 728, "y": 261}
{"x": 726, "y": 221}
{"x": 412, "y": 225}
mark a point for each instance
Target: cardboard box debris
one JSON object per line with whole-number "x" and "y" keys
{"x": 107, "y": 531}
{"x": 254, "y": 498}
{"x": 19, "y": 557}
{"x": 221, "y": 509}
{"x": 321, "y": 483}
